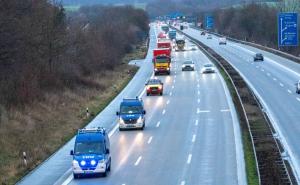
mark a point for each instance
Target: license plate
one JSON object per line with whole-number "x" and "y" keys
{"x": 88, "y": 171}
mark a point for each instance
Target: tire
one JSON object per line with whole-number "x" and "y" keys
{"x": 105, "y": 173}
{"x": 161, "y": 93}
{"x": 120, "y": 129}
{"x": 76, "y": 176}
{"x": 148, "y": 94}
{"x": 143, "y": 127}
{"x": 109, "y": 168}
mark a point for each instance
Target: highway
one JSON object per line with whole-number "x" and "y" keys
{"x": 273, "y": 82}
{"x": 191, "y": 136}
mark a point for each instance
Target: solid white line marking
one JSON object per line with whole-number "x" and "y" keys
{"x": 194, "y": 138}
{"x": 164, "y": 111}
{"x": 168, "y": 102}
{"x": 182, "y": 183}
{"x": 274, "y": 79}
{"x": 281, "y": 84}
{"x": 225, "y": 110}
{"x": 189, "y": 159}
{"x": 289, "y": 91}
{"x": 149, "y": 140}
{"x": 158, "y": 123}
{"x": 298, "y": 99}
{"x": 138, "y": 161}
{"x": 196, "y": 123}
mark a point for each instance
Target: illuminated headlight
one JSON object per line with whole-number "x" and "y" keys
{"x": 75, "y": 163}
{"x": 192, "y": 65}
{"x": 155, "y": 69}
{"x": 168, "y": 68}
{"x": 93, "y": 162}
{"x": 140, "y": 120}
{"x": 83, "y": 163}
{"x": 121, "y": 121}
{"x": 183, "y": 65}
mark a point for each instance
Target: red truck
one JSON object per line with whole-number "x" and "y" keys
{"x": 164, "y": 44}
{"x": 162, "y": 35}
{"x": 162, "y": 60}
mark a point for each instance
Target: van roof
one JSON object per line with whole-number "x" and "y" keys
{"x": 132, "y": 102}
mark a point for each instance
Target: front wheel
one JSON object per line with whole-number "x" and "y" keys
{"x": 76, "y": 176}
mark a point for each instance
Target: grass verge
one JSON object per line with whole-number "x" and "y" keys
{"x": 43, "y": 127}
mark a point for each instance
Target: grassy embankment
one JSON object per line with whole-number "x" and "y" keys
{"x": 43, "y": 127}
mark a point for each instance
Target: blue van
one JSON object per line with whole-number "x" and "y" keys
{"x": 131, "y": 114}
{"x": 91, "y": 155}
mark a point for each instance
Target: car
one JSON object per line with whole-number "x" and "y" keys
{"x": 222, "y": 40}
{"x": 193, "y": 47}
{"x": 188, "y": 65}
{"x": 202, "y": 33}
{"x": 131, "y": 114}
{"x": 298, "y": 87}
{"x": 209, "y": 36}
{"x": 154, "y": 86}
{"x": 258, "y": 57}
{"x": 91, "y": 155}
{"x": 208, "y": 68}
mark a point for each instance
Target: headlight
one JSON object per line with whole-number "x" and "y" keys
{"x": 140, "y": 120}
{"x": 155, "y": 69}
{"x": 93, "y": 162}
{"x": 74, "y": 162}
{"x": 83, "y": 163}
{"x": 121, "y": 121}
{"x": 183, "y": 65}
{"x": 168, "y": 68}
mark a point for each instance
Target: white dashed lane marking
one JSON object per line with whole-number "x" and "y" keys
{"x": 149, "y": 140}
{"x": 189, "y": 159}
{"x": 158, "y": 123}
{"x": 138, "y": 161}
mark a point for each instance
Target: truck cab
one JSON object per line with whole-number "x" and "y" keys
{"x": 131, "y": 114}
{"x": 162, "y": 61}
{"x": 91, "y": 154}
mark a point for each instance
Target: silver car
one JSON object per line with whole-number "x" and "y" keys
{"x": 188, "y": 65}
{"x": 208, "y": 68}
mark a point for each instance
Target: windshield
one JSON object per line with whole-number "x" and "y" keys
{"x": 180, "y": 41}
{"x": 188, "y": 62}
{"x": 161, "y": 59}
{"x": 131, "y": 109}
{"x": 208, "y": 65}
{"x": 89, "y": 148}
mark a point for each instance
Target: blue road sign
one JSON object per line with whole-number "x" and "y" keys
{"x": 287, "y": 29}
{"x": 209, "y": 20}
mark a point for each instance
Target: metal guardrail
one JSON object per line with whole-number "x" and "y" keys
{"x": 268, "y": 49}
{"x": 271, "y": 168}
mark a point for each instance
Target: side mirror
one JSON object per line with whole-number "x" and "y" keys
{"x": 71, "y": 152}
{"x": 117, "y": 113}
{"x": 144, "y": 112}
{"x": 107, "y": 151}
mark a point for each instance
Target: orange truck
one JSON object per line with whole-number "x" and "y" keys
{"x": 162, "y": 61}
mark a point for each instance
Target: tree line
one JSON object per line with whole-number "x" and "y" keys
{"x": 44, "y": 49}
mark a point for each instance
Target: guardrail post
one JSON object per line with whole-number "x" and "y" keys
{"x": 87, "y": 112}
{"x": 25, "y": 158}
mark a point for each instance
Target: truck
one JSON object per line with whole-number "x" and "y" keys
{"x": 180, "y": 43}
{"x": 165, "y": 28}
{"x": 164, "y": 43}
{"x": 91, "y": 154}
{"x": 172, "y": 34}
{"x": 161, "y": 35}
{"x": 162, "y": 61}
{"x": 131, "y": 114}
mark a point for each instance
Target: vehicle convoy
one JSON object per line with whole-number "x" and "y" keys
{"x": 222, "y": 40}
{"x": 188, "y": 65}
{"x": 208, "y": 68}
{"x": 180, "y": 43}
{"x": 91, "y": 155}
{"x": 162, "y": 61}
{"x": 298, "y": 87}
{"x": 258, "y": 57}
{"x": 165, "y": 28}
{"x": 131, "y": 114}
{"x": 172, "y": 34}
{"x": 154, "y": 86}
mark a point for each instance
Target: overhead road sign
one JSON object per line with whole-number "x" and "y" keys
{"x": 288, "y": 29}
{"x": 209, "y": 20}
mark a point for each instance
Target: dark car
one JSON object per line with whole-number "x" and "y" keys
{"x": 154, "y": 86}
{"x": 203, "y": 33}
{"x": 188, "y": 65}
{"x": 258, "y": 57}
{"x": 298, "y": 87}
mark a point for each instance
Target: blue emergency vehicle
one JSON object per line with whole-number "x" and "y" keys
{"x": 172, "y": 34}
{"x": 131, "y": 114}
{"x": 91, "y": 154}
